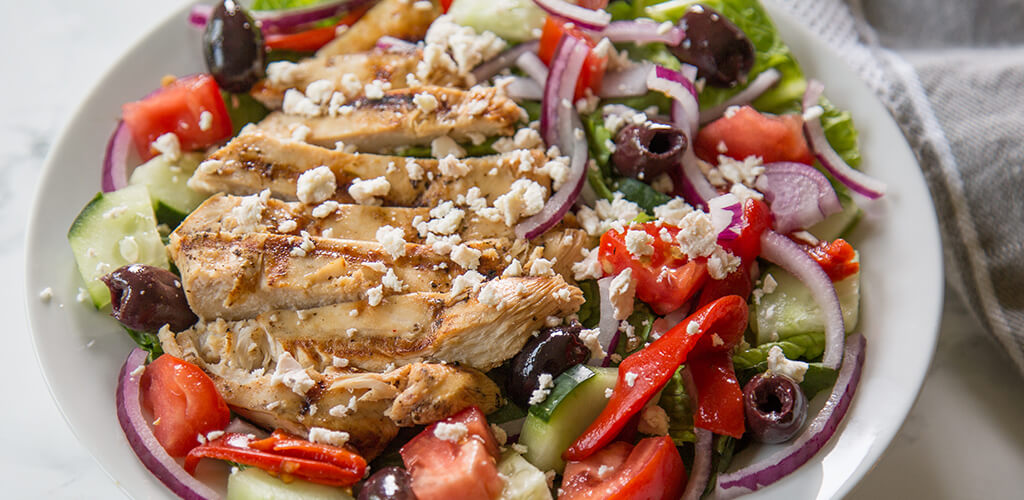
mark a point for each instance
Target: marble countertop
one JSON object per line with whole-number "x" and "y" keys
{"x": 963, "y": 439}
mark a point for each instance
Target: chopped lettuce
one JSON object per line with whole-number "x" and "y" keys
{"x": 243, "y": 110}
{"x": 282, "y": 4}
{"x": 680, "y": 408}
{"x": 146, "y": 341}
{"x": 642, "y": 194}
{"x": 590, "y": 312}
{"x": 597, "y": 138}
{"x": 806, "y": 346}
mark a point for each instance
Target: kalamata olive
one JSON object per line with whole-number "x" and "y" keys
{"x": 552, "y": 351}
{"x": 145, "y": 298}
{"x": 645, "y": 151}
{"x": 775, "y": 407}
{"x": 389, "y": 483}
{"x": 721, "y": 51}
{"x": 233, "y": 47}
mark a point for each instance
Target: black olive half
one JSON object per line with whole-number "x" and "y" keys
{"x": 721, "y": 51}
{"x": 645, "y": 151}
{"x": 145, "y": 298}
{"x": 775, "y": 407}
{"x": 233, "y": 47}
{"x": 552, "y": 351}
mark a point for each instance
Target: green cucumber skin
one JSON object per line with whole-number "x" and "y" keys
{"x": 525, "y": 482}
{"x": 545, "y": 441}
{"x": 97, "y": 234}
{"x": 254, "y": 484}
{"x": 791, "y": 310}
{"x": 172, "y": 199}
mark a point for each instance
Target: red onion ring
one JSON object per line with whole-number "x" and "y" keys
{"x": 392, "y": 44}
{"x": 531, "y": 64}
{"x": 780, "y": 250}
{"x": 701, "y": 473}
{"x": 854, "y": 179}
{"x": 764, "y": 81}
{"x": 799, "y": 195}
{"x": 583, "y": 17}
{"x": 199, "y": 15}
{"x": 726, "y": 216}
{"x": 504, "y": 60}
{"x": 812, "y": 440}
{"x": 642, "y": 31}
{"x": 142, "y": 440}
{"x": 569, "y": 136}
{"x": 608, "y": 326}
{"x": 521, "y": 88}
{"x": 120, "y": 158}
{"x": 283, "y": 20}
{"x": 626, "y": 83}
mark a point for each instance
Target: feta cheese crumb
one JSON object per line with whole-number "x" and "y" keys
{"x": 444, "y": 146}
{"x": 290, "y": 373}
{"x": 523, "y": 199}
{"x": 375, "y": 295}
{"x": 169, "y": 146}
{"x": 296, "y": 103}
{"x": 489, "y": 294}
{"x": 779, "y": 364}
{"x": 391, "y": 281}
{"x": 212, "y": 435}
{"x": 450, "y": 432}
{"x": 368, "y": 191}
{"x": 514, "y": 269}
{"x": 653, "y": 421}
{"x": 630, "y": 378}
{"x": 470, "y": 280}
{"x": 415, "y": 170}
{"x": 623, "y": 289}
{"x": 324, "y": 209}
{"x": 425, "y": 101}
{"x": 46, "y": 295}
{"x": 287, "y": 226}
{"x": 692, "y": 328}
{"x": 608, "y": 392}
{"x": 499, "y": 434}
{"x": 545, "y": 382}
{"x": 205, "y": 121}
{"x": 542, "y": 267}
{"x": 393, "y": 240}
{"x": 374, "y": 90}
{"x": 316, "y": 185}
{"x": 591, "y": 339}
{"x": 466, "y": 256}
{"x": 138, "y": 371}
{"x": 769, "y": 283}
{"x": 638, "y": 242}
{"x": 339, "y": 362}
{"x": 450, "y": 166}
{"x": 327, "y": 436}
{"x": 589, "y": 268}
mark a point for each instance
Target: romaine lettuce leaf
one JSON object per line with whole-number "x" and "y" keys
{"x": 679, "y": 407}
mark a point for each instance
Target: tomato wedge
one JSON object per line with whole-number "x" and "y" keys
{"x": 285, "y": 456}
{"x": 184, "y": 402}
{"x": 652, "y": 469}
{"x": 593, "y": 68}
{"x": 458, "y": 461}
{"x": 665, "y": 279}
{"x": 645, "y": 372}
{"x": 748, "y": 132}
{"x": 179, "y": 108}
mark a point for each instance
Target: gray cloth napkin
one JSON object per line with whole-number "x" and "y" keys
{"x": 952, "y": 74}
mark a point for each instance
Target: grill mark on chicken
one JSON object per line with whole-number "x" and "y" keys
{"x": 381, "y": 125}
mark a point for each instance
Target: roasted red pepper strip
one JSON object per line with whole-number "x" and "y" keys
{"x": 284, "y": 444}
{"x": 311, "y": 39}
{"x": 719, "y": 397}
{"x": 274, "y": 463}
{"x": 645, "y": 372}
{"x": 835, "y": 258}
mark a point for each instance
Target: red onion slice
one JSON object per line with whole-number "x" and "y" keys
{"x": 521, "y": 88}
{"x": 626, "y": 83}
{"x": 780, "y": 250}
{"x": 504, "y": 60}
{"x": 583, "y": 17}
{"x": 643, "y": 31}
{"x": 701, "y": 473}
{"x": 852, "y": 178}
{"x": 392, "y": 44}
{"x": 121, "y": 157}
{"x": 531, "y": 64}
{"x": 812, "y": 440}
{"x": 608, "y": 326}
{"x": 764, "y": 81}
{"x": 199, "y": 15}
{"x": 554, "y": 91}
{"x": 283, "y": 20}
{"x": 142, "y": 440}
{"x": 799, "y": 195}
{"x": 726, "y": 216}
{"x": 675, "y": 85}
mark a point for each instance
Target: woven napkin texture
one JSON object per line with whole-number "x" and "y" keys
{"x": 952, "y": 75}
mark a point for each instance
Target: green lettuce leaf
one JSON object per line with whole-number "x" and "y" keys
{"x": 148, "y": 342}
{"x": 590, "y": 312}
{"x": 642, "y": 194}
{"x": 805, "y": 346}
{"x": 679, "y": 406}
{"x": 282, "y": 4}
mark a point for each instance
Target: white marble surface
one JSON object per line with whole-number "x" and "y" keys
{"x": 963, "y": 439}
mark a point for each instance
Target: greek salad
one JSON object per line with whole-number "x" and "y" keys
{"x": 480, "y": 249}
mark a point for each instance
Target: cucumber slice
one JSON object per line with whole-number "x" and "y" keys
{"x": 791, "y": 310}
{"x": 564, "y": 384}
{"x": 513, "y": 20}
{"x": 581, "y": 401}
{"x": 839, "y": 224}
{"x": 253, "y": 484}
{"x": 168, "y": 187}
{"x": 525, "y": 482}
{"x": 115, "y": 229}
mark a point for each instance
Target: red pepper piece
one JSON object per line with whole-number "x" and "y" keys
{"x": 719, "y": 397}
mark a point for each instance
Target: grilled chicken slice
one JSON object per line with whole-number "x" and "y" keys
{"x": 239, "y": 276}
{"x": 382, "y": 125}
{"x": 402, "y": 19}
{"x": 246, "y": 365}
{"x": 256, "y": 161}
{"x": 348, "y": 74}
{"x": 482, "y": 330}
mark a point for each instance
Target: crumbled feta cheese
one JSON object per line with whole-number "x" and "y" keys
{"x": 617, "y": 116}
{"x": 744, "y": 193}
{"x": 450, "y": 432}
{"x": 169, "y": 146}
{"x": 630, "y": 378}
{"x": 622, "y": 291}
{"x": 446, "y": 146}
{"x": 368, "y": 191}
{"x": 721, "y": 263}
{"x": 638, "y": 242}
{"x": 558, "y": 170}
{"x": 697, "y": 236}
{"x": 290, "y": 373}
{"x": 392, "y": 239}
{"x": 490, "y": 295}
{"x": 249, "y": 212}
{"x": 83, "y": 295}
{"x": 375, "y": 295}
{"x": 327, "y": 436}
{"x": 813, "y": 113}
{"x": 470, "y": 280}
{"x": 339, "y": 362}
{"x": 205, "y": 121}
{"x": 212, "y": 435}
{"x": 673, "y": 212}
{"x": 523, "y": 199}
{"x": 324, "y": 209}
{"x": 716, "y": 340}
{"x": 608, "y": 392}
{"x": 374, "y": 90}
{"x": 425, "y": 101}
{"x": 451, "y": 167}
{"x": 305, "y": 246}
{"x": 513, "y": 269}
{"x": 692, "y": 328}
{"x": 589, "y": 268}
{"x": 299, "y": 133}
{"x": 739, "y": 172}
{"x": 316, "y": 185}
{"x": 296, "y": 103}
{"x": 283, "y": 73}
{"x": 466, "y": 256}
{"x": 545, "y": 382}
{"x": 779, "y": 364}
{"x": 653, "y": 421}
{"x": 445, "y": 218}
{"x": 415, "y": 170}
{"x": 542, "y": 267}
{"x": 607, "y": 215}
{"x": 137, "y": 371}
{"x": 591, "y": 339}
{"x": 287, "y": 226}
{"x": 499, "y": 435}
{"x": 391, "y": 281}
{"x": 452, "y": 48}
{"x": 769, "y": 284}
